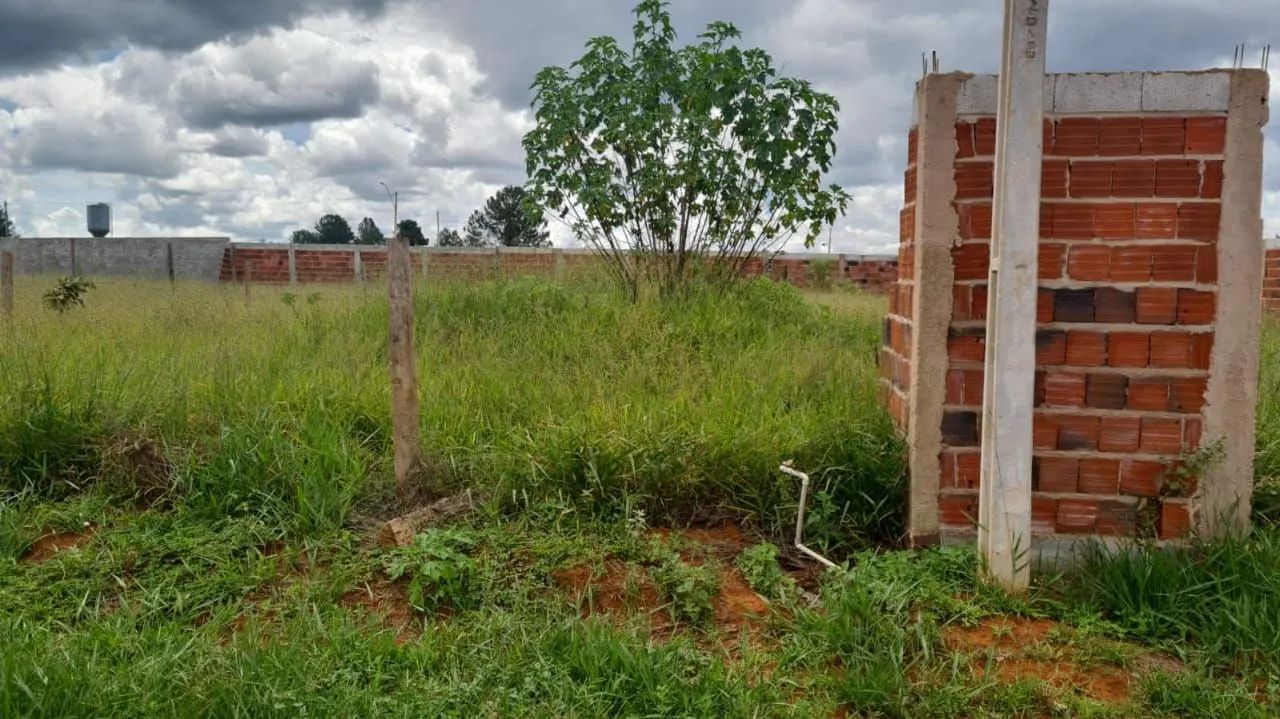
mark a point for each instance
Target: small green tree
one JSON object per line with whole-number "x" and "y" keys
{"x": 508, "y": 219}
{"x": 449, "y": 238}
{"x": 367, "y": 233}
{"x": 411, "y": 230}
{"x": 674, "y": 153}
{"x": 304, "y": 237}
{"x": 7, "y": 228}
{"x": 68, "y": 293}
{"x": 333, "y": 229}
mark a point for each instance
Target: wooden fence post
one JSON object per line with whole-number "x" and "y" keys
{"x": 404, "y": 376}
{"x": 168, "y": 258}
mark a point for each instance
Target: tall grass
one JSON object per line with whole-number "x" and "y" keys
{"x": 532, "y": 392}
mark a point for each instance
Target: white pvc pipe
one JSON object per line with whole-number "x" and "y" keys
{"x": 804, "y": 498}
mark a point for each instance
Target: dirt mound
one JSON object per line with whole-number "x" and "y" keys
{"x": 52, "y": 543}
{"x": 1014, "y": 648}
{"x": 390, "y": 602}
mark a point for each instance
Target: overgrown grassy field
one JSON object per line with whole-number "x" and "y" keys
{"x": 211, "y": 466}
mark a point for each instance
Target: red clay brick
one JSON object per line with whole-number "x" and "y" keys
{"x": 1044, "y": 514}
{"x": 1211, "y": 186}
{"x": 1131, "y": 263}
{"x": 1156, "y": 221}
{"x": 1076, "y": 137}
{"x": 1086, "y": 349}
{"x": 1178, "y": 178}
{"x": 1116, "y": 519}
{"x": 964, "y": 140}
{"x": 1207, "y": 265}
{"x": 1091, "y": 179}
{"x": 1051, "y": 348}
{"x": 984, "y": 137}
{"x": 1072, "y": 222}
{"x": 1119, "y": 136}
{"x": 1175, "y": 520}
{"x": 958, "y": 511}
{"x": 1106, "y": 391}
{"x": 1187, "y": 394}
{"x": 1053, "y": 178}
{"x": 1044, "y": 431}
{"x": 1140, "y": 478}
{"x": 1163, "y": 135}
{"x": 955, "y": 386}
{"x": 1044, "y": 306}
{"x": 974, "y": 180}
{"x": 979, "y": 307}
{"x": 1157, "y": 305}
{"x": 1077, "y": 516}
{"x": 1170, "y": 350}
{"x": 975, "y": 221}
{"x": 1114, "y": 305}
{"x": 1205, "y": 135}
{"x": 1064, "y": 389}
{"x": 1128, "y": 349}
{"x": 1114, "y": 222}
{"x": 966, "y": 348}
{"x": 968, "y": 470}
{"x": 1199, "y": 221}
{"x": 1089, "y": 263}
{"x": 1161, "y": 436}
{"x": 1196, "y": 307}
{"x": 1148, "y": 394}
{"x": 1056, "y": 474}
{"x": 1099, "y": 476}
{"x": 972, "y": 260}
{"x": 1174, "y": 263}
{"x": 1201, "y": 350}
{"x": 1078, "y": 432}
{"x": 1119, "y": 434}
{"x": 1192, "y": 431}
{"x": 1050, "y": 260}
{"x": 1134, "y": 178}
{"x": 973, "y": 383}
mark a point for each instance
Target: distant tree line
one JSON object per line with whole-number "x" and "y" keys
{"x": 507, "y": 219}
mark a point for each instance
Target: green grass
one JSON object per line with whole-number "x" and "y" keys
{"x": 226, "y": 456}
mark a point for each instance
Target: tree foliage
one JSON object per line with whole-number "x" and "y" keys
{"x": 411, "y": 230}
{"x": 304, "y": 237}
{"x": 367, "y": 233}
{"x": 449, "y": 238}
{"x": 333, "y": 229}
{"x": 7, "y": 227}
{"x": 508, "y": 219}
{"x": 661, "y": 154}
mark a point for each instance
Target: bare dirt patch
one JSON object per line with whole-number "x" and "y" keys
{"x": 51, "y": 543}
{"x": 389, "y": 601}
{"x": 1011, "y": 649}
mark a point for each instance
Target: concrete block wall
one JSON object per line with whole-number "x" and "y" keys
{"x": 1150, "y": 287}
{"x": 189, "y": 258}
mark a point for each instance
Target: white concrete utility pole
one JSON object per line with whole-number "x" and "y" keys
{"x": 1004, "y": 509}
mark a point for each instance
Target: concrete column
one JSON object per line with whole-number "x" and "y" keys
{"x": 357, "y": 265}
{"x": 293, "y": 266}
{"x": 557, "y": 255}
{"x": 936, "y": 227}
{"x": 1232, "y": 394}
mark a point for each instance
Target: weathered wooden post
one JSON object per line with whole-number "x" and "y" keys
{"x": 404, "y": 376}
{"x": 6, "y": 284}
{"x": 1004, "y": 503}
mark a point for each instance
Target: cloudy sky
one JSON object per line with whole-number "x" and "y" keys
{"x": 250, "y": 118}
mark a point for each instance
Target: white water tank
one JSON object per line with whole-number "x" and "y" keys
{"x": 99, "y": 215}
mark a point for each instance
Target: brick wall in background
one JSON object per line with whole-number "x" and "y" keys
{"x": 1129, "y": 272}
{"x": 1271, "y": 282}
{"x": 262, "y": 262}
{"x": 895, "y": 353}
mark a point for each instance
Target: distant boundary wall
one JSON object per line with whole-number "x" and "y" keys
{"x": 219, "y": 259}
{"x": 1271, "y": 282}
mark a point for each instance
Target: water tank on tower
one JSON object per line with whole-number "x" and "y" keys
{"x": 99, "y": 219}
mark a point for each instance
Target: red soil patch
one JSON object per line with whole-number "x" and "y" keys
{"x": 1000, "y": 645}
{"x": 54, "y": 543}
{"x": 389, "y": 601}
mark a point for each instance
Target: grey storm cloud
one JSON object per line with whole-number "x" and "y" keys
{"x": 42, "y": 32}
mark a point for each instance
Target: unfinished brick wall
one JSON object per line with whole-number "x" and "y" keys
{"x": 1271, "y": 282}
{"x": 272, "y": 263}
{"x": 1141, "y": 262}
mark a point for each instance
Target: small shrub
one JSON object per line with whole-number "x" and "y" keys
{"x": 821, "y": 272}
{"x": 759, "y": 565}
{"x": 68, "y": 293}
{"x": 689, "y": 589}
{"x": 440, "y": 572}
